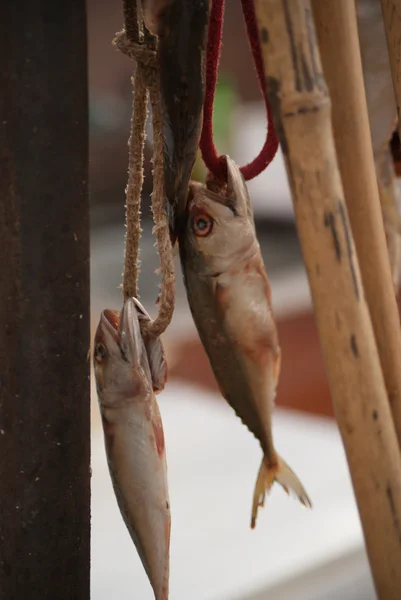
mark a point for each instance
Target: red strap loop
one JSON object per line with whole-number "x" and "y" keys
{"x": 215, "y": 163}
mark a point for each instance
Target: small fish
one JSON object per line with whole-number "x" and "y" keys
{"x": 230, "y": 300}
{"x": 181, "y": 26}
{"x": 130, "y": 369}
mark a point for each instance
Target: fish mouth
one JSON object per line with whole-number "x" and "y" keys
{"x": 112, "y": 318}
{"x": 129, "y": 331}
{"x": 124, "y": 329}
{"x": 109, "y": 322}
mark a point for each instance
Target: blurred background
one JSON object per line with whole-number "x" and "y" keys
{"x": 212, "y": 459}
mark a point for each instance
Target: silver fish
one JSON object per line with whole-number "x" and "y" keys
{"x": 230, "y": 299}
{"x": 129, "y": 370}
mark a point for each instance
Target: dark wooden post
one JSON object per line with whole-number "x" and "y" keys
{"x": 44, "y": 302}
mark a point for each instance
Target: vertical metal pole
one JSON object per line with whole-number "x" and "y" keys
{"x": 44, "y": 302}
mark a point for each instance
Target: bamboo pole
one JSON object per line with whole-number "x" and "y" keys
{"x": 302, "y": 114}
{"x": 336, "y": 27}
{"x": 44, "y": 303}
{"x": 392, "y": 23}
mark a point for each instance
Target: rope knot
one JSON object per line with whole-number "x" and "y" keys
{"x": 137, "y": 51}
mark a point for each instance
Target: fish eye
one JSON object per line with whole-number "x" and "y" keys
{"x": 100, "y": 352}
{"x": 202, "y": 225}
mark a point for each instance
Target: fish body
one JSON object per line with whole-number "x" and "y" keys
{"x": 181, "y": 26}
{"x": 230, "y": 300}
{"x": 129, "y": 370}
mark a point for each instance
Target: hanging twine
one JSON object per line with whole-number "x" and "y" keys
{"x": 161, "y": 228}
{"x": 142, "y": 50}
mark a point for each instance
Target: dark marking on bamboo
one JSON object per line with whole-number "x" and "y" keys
{"x": 304, "y": 110}
{"x": 310, "y": 31}
{"x": 318, "y": 78}
{"x": 307, "y": 76}
{"x": 330, "y": 223}
{"x": 349, "y": 247}
{"x": 264, "y": 35}
{"x": 307, "y": 73}
{"x": 396, "y": 520}
{"x": 294, "y": 56}
{"x": 354, "y": 345}
{"x": 349, "y": 428}
{"x": 273, "y": 92}
{"x": 375, "y": 415}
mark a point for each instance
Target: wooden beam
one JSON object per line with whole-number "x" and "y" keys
{"x": 44, "y": 302}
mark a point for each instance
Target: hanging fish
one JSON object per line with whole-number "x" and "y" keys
{"x": 129, "y": 370}
{"x": 181, "y": 26}
{"x": 230, "y": 300}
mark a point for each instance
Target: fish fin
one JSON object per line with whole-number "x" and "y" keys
{"x": 157, "y": 361}
{"x": 281, "y": 473}
{"x": 155, "y": 351}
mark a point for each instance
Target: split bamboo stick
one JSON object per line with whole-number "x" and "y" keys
{"x": 336, "y": 27}
{"x": 392, "y": 23}
{"x": 390, "y": 204}
{"x": 302, "y": 114}
{"x": 382, "y": 112}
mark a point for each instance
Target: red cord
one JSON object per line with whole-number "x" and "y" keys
{"x": 270, "y": 146}
{"x": 215, "y": 163}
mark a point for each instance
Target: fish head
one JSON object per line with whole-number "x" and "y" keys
{"x": 120, "y": 361}
{"x": 219, "y": 228}
{"x": 154, "y": 350}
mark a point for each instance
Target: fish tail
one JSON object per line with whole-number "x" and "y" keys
{"x": 281, "y": 473}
